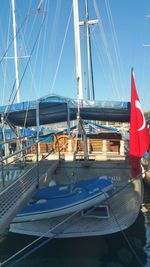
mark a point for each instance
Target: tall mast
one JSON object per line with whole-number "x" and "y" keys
{"x": 87, "y": 34}
{"x": 77, "y": 49}
{"x": 86, "y": 23}
{"x": 15, "y": 50}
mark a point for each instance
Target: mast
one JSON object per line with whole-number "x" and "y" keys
{"x": 18, "y": 142}
{"x": 77, "y": 49}
{"x": 80, "y": 127}
{"x": 90, "y": 81}
{"x": 87, "y": 34}
{"x": 15, "y": 50}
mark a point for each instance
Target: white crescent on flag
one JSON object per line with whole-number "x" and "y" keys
{"x": 137, "y": 104}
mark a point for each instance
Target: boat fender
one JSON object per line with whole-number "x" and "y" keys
{"x": 52, "y": 183}
{"x": 103, "y": 177}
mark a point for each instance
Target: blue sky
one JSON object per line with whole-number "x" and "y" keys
{"x": 52, "y": 64}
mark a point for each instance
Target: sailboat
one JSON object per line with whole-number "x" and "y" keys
{"x": 94, "y": 192}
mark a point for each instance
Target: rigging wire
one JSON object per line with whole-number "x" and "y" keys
{"x": 64, "y": 228}
{"x": 123, "y": 232}
{"x": 28, "y": 12}
{"x": 30, "y": 35}
{"x": 41, "y": 75}
{"x": 54, "y": 29}
{"x": 26, "y": 116}
{"x": 42, "y": 236}
{"x": 52, "y": 39}
{"x": 92, "y": 75}
{"x": 12, "y": 91}
{"x": 63, "y": 43}
{"x": 115, "y": 41}
{"x": 11, "y": 42}
{"x": 40, "y": 5}
{"x": 106, "y": 47}
{"x": 102, "y": 63}
{"x": 38, "y": 239}
{"x": 6, "y": 51}
{"x": 5, "y": 68}
{"x": 32, "y": 69}
{"x": 36, "y": 40}
{"x": 146, "y": 60}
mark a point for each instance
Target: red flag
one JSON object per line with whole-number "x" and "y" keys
{"x": 139, "y": 135}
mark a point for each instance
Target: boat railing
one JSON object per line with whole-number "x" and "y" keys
{"x": 16, "y": 191}
{"x": 18, "y": 162}
{"x": 104, "y": 146}
{"x": 61, "y": 144}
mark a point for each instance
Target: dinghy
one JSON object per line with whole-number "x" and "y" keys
{"x": 58, "y": 200}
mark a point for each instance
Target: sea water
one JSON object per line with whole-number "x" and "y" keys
{"x": 130, "y": 248}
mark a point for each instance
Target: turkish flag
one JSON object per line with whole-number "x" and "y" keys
{"x": 139, "y": 135}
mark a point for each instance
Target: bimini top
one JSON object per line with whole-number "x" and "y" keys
{"x": 53, "y": 109}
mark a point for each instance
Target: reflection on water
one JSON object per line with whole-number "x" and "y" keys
{"x": 131, "y": 248}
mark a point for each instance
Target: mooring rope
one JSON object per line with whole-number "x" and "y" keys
{"x": 62, "y": 230}
{"x": 123, "y": 232}
{"x": 38, "y": 239}
{"x": 42, "y": 236}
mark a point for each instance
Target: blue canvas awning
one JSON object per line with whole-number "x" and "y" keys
{"x": 53, "y": 109}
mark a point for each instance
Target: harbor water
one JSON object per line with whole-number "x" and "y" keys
{"x": 128, "y": 248}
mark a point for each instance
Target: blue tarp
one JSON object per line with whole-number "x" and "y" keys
{"x": 9, "y": 134}
{"x": 53, "y": 109}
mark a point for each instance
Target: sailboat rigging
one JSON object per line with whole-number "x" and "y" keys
{"x": 105, "y": 198}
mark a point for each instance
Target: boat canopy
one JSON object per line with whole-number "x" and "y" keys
{"x": 53, "y": 109}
